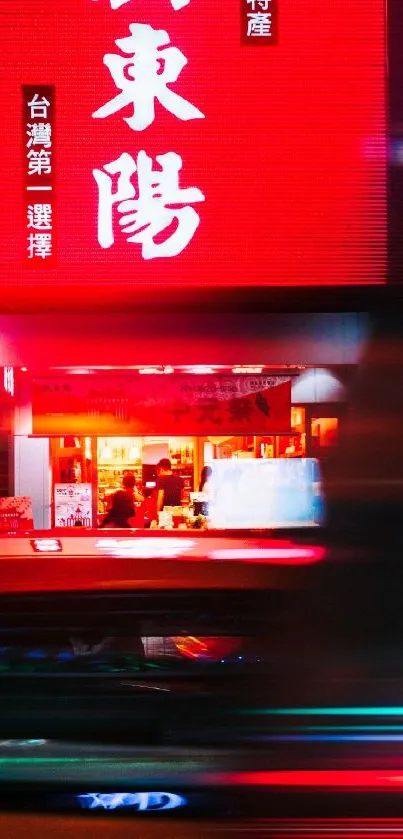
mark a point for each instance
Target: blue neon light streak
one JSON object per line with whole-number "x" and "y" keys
{"x": 365, "y": 711}
{"x": 141, "y": 800}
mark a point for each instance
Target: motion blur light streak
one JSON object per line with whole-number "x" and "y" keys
{"x": 141, "y": 800}
{"x": 352, "y": 728}
{"x": 145, "y": 548}
{"x": 291, "y": 556}
{"x": 332, "y": 738}
{"x": 210, "y": 649}
{"x": 47, "y": 761}
{"x": 46, "y": 545}
{"x": 326, "y": 828}
{"x": 382, "y": 711}
{"x": 374, "y": 779}
{"x": 21, "y": 743}
{"x": 154, "y": 547}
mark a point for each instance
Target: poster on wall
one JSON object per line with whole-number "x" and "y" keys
{"x": 162, "y": 405}
{"x": 16, "y": 513}
{"x": 73, "y": 505}
{"x": 193, "y": 147}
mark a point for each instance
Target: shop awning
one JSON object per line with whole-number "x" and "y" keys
{"x": 40, "y": 342}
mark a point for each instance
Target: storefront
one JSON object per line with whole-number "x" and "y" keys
{"x": 118, "y": 292}
{"x": 81, "y": 421}
{"x": 103, "y": 426}
{"x": 86, "y": 471}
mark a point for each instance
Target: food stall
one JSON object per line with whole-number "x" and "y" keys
{"x": 102, "y": 429}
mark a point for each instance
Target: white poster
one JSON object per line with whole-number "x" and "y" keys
{"x": 73, "y": 505}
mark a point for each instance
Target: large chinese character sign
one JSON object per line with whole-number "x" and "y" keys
{"x": 185, "y": 155}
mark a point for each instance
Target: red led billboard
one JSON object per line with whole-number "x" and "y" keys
{"x": 191, "y": 143}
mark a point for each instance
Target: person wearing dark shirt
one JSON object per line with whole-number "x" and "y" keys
{"x": 205, "y": 476}
{"x": 169, "y": 486}
{"x": 122, "y": 507}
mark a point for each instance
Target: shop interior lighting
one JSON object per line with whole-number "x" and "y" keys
{"x": 147, "y": 371}
{"x": 250, "y": 370}
{"x": 24, "y": 369}
{"x": 9, "y": 380}
{"x": 46, "y": 545}
{"x": 106, "y": 452}
{"x": 134, "y": 453}
{"x": 169, "y": 369}
{"x": 200, "y": 369}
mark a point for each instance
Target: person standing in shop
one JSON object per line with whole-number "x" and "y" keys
{"x": 122, "y": 508}
{"x": 205, "y": 476}
{"x": 169, "y": 486}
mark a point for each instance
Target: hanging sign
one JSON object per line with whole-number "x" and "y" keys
{"x": 162, "y": 405}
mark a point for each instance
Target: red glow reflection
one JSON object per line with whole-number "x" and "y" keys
{"x": 210, "y": 649}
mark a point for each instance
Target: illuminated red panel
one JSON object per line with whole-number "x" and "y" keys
{"x": 207, "y": 649}
{"x": 131, "y": 561}
{"x": 288, "y": 159}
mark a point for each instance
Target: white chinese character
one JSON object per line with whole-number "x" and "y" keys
{"x": 40, "y": 134}
{"x": 147, "y": 211}
{"x": 144, "y": 77}
{"x": 261, "y": 4}
{"x": 39, "y": 162}
{"x": 39, "y": 107}
{"x": 39, "y": 244}
{"x": 39, "y": 216}
{"x": 259, "y": 24}
{"x": 176, "y": 4}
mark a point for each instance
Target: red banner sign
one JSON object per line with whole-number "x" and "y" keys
{"x": 184, "y": 158}
{"x": 39, "y": 171}
{"x": 162, "y": 405}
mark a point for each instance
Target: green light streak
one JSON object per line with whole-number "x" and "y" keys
{"x": 47, "y": 761}
{"x": 381, "y": 711}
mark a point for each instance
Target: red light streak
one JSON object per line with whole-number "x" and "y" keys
{"x": 315, "y": 778}
{"x": 291, "y": 555}
{"x": 326, "y": 828}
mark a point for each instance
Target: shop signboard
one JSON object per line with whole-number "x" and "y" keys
{"x": 186, "y": 155}
{"x": 39, "y": 174}
{"x": 174, "y": 405}
{"x": 73, "y": 505}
